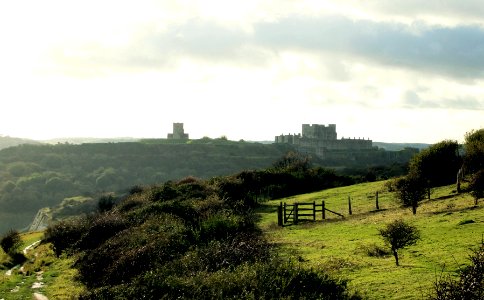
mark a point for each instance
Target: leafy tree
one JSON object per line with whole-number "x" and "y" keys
{"x": 474, "y": 148}
{"x": 11, "y": 242}
{"x": 438, "y": 164}
{"x": 293, "y": 162}
{"x": 476, "y": 185}
{"x": 410, "y": 191}
{"x": 399, "y": 235}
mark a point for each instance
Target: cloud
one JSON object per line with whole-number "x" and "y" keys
{"x": 413, "y": 100}
{"x": 450, "y": 51}
{"x": 455, "y": 52}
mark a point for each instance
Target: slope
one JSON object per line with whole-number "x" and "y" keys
{"x": 450, "y": 226}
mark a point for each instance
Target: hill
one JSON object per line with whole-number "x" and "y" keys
{"x": 351, "y": 247}
{"x": 190, "y": 239}
{"x": 227, "y": 253}
{"x": 37, "y": 176}
{"x": 6, "y": 141}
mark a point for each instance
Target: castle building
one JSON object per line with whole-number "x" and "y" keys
{"x": 178, "y": 132}
{"x": 321, "y": 139}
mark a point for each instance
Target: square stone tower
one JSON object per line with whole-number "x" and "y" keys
{"x": 178, "y": 132}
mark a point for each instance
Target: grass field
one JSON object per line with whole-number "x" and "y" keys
{"x": 56, "y": 275}
{"x": 450, "y": 227}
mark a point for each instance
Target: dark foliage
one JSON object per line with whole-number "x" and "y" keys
{"x": 469, "y": 285}
{"x": 11, "y": 242}
{"x": 476, "y": 185}
{"x": 474, "y": 148}
{"x": 411, "y": 190}
{"x": 438, "y": 164}
{"x": 192, "y": 239}
{"x": 106, "y": 203}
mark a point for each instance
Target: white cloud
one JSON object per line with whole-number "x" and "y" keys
{"x": 248, "y": 69}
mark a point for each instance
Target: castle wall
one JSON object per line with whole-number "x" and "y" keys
{"x": 319, "y": 139}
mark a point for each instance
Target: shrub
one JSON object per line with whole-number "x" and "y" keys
{"x": 11, "y": 242}
{"x": 469, "y": 285}
{"x": 106, "y": 203}
{"x": 65, "y": 234}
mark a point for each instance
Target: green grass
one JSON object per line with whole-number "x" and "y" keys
{"x": 57, "y": 274}
{"x": 450, "y": 226}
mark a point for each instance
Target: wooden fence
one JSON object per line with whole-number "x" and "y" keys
{"x": 293, "y": 213}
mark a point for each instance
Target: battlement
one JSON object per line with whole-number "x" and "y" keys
{"x": 321, "y": 132}
{"x": 319, "y": 139}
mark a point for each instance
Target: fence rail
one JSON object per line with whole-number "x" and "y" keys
{"x": 293, "y": 213}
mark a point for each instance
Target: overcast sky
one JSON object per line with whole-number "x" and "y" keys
{"x": 391, "y": 71}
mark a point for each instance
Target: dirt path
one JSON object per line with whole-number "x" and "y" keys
{"x": 38, "y": 283}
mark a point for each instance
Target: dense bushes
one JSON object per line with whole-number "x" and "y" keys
{"x": 10, "y": 242}
{"x": 188, "y": 239}
{"x": 469, "y": 285}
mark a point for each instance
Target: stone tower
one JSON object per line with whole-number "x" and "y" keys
{"x": 178, "y": 132}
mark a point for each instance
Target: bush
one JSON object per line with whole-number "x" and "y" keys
{"x": 11, "y": 242}
{"x": 469, "y": 285}
{"x": 271, "y": 279}
{"x": 65, "y": 234}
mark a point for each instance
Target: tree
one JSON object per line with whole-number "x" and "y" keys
{"x": 474, "y": 149}
{"x": 293, "y": 162}
{"x": 438, "y": 164}
{"x": 399, "y": 235}
{"x": 476, "y": 186}
{"x": 410, "y": 191}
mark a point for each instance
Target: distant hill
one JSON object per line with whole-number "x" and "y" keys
{"x": 89, "y": 140}
{"x": 400, "y": 146}
{"x": 7, "y": 141}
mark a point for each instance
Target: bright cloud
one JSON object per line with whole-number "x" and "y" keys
{"x": 405, "y": 72}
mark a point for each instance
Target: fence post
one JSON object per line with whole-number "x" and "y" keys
{"x": 285, "y": 216}
{"x": 295, "y": 217}
{"x": 376, "y": 197}
{"x": 314, "y": 210}
{"x": 323, "y": 208}
{"x": 349, "y": 205}
{"x": 279, "y": 215}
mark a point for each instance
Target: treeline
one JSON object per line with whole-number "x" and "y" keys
{"x": 441, "y": 164}
{"x": 195, "y": 239}
{"x": 36, "y": 176}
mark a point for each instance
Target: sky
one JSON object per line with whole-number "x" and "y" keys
{"x": 391, "y": 71}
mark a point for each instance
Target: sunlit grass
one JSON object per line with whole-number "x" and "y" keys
{"x": 450, "y": 226}
{"x": 57, "y": 274}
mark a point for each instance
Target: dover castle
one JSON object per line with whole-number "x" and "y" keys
{"x": 323, "y": 140}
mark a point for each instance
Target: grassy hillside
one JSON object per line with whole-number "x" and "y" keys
{"x": 7, "y": 141}
{"x": 450, "y": 226}
{"x": 42, "y": 273}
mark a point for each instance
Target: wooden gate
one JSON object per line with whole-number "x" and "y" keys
{"x": 293, "y": 213}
